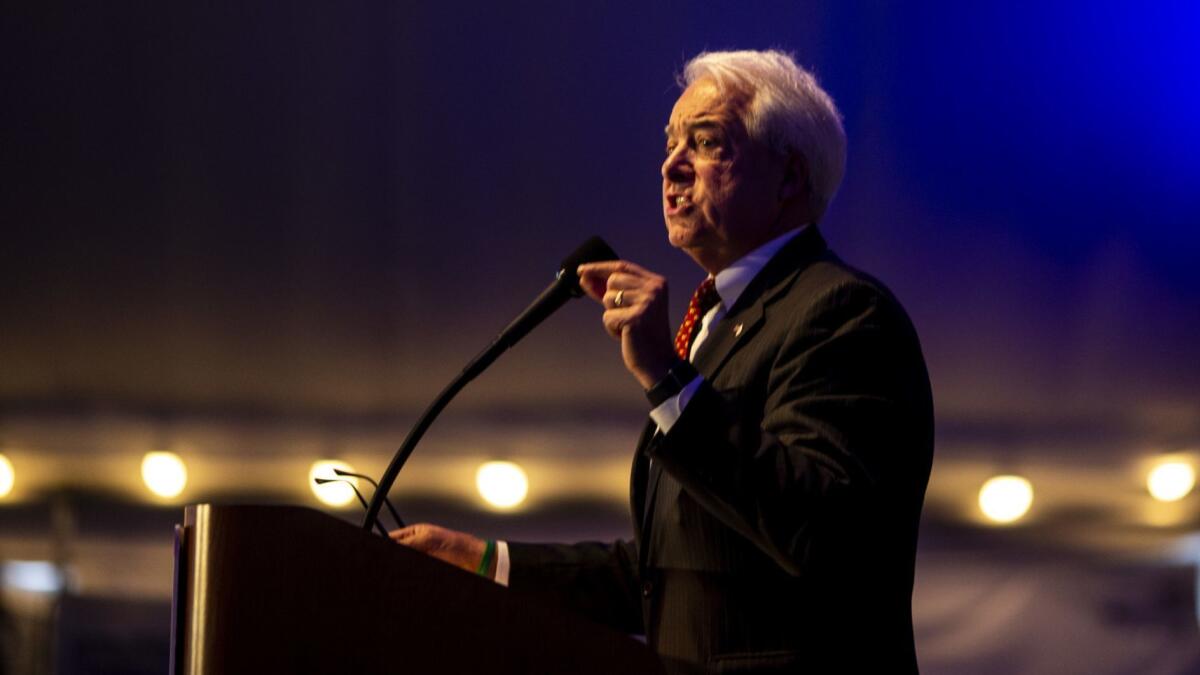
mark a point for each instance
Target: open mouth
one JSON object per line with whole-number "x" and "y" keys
{"x": 678, "y": 202}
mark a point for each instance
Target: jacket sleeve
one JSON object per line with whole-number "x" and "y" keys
{"x": 597, "y": 580}
{"x": 829, "y": 425}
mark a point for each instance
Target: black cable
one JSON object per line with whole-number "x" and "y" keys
{"x": 387, "y": 502}
{"x": 361, "y": 499}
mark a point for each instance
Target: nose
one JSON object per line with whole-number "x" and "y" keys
{"x": 677, "y": 168}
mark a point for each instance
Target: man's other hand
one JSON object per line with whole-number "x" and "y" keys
{"x": 635, "y": 312}
{"x": 457, "y": 548}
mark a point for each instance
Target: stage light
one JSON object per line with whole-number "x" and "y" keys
{"x": 502, "y": 484}
{"x": 32, "y": 576}
{"x": 337, "y": 493}
{"x": 7, "y": 476}
{"x": 164, "y": 473}
{"x": 1171, "y": 481}
{"x": 1005, "y": 499}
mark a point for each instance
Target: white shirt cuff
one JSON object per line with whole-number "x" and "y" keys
{"x": 502, "y": 563}
{"x": 666, "y": 414}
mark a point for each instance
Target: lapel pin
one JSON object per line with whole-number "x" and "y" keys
{"x": 737, "y": 330}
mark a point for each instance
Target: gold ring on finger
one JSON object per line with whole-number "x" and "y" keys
{"x": 620, "y": 297}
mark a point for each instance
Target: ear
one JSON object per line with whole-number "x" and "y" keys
{"x": 795, "y": 177}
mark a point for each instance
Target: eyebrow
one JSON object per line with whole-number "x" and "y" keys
{"x": 703, "y": 123}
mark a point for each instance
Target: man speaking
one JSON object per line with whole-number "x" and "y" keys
{"x": 778, "y": 484}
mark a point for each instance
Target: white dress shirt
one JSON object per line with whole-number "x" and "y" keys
{"x": 731, "y": 282}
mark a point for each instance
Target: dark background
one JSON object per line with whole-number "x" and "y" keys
{"x": 322, "y": 206}
{"x": 307, "y": 216}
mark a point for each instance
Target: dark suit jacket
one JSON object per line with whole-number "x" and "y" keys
{"x": 776, "y": 527}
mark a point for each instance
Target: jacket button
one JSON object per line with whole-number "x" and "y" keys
{"x": 647, "y": 589}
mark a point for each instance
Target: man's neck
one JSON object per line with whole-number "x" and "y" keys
{"x": 734, "y": 279}
{"x": 716, "y": 264}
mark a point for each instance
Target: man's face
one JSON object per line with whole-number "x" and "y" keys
{"x": 721, "y": 189}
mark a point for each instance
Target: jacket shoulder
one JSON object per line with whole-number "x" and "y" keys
{"x": 830, "y": 280}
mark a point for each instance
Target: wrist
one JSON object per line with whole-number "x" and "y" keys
{"x": 487, "y": 565}
{"x": 653, "y": 373}
{"x": 671, "y": 383}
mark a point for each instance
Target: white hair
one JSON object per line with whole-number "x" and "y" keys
{"x": 788, "y": 111}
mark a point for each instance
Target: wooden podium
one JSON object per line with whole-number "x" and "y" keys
{"x": 277, "y": 589}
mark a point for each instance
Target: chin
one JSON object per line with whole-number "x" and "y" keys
{"x": 683, "y": 243}
{"x": 682, "y": 236}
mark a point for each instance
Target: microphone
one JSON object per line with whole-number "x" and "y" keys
{"x": 386, "y": 502}
{"x": 361, "y": 500}
{"x": 564, "y": 287}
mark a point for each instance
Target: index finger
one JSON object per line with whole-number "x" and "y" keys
{"x": 593, "y": 277}
{"x": 607, "y": 267}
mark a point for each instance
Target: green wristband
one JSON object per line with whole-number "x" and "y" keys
{"x": 484, "y": 564}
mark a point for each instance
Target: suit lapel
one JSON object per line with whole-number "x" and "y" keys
{"x": 735, "y": 329}
{"x": 639, "y": 480}
{"x": 744, "y": 319}
{"x": 643, "y": 486}
{"x": 724, "y": 337}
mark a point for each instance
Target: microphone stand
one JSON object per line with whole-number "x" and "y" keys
{"x": 322, "y": 481}
{"x": 565, "y": 287}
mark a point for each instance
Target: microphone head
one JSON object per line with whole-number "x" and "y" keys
{"x": 594, "y": 249}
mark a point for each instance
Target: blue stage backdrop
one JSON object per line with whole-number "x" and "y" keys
{"x": 314, "y": 207}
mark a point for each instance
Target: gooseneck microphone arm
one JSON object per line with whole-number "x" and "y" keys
{"x": 361, "y": 500}
{"x": 565, "y": 287}
{"x": 386, "y": 502}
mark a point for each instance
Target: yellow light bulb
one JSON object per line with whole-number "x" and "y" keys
{"x": 1171, "y": 481}
{"x": 337, "y": 493}
{"x": 164, "y": 473}
{"x": 1005, "y": 499}
{"x": 504, "y": 485}
{"x": 7, "y": 476}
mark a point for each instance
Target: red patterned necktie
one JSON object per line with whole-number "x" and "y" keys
{"x": 704, "y": 299}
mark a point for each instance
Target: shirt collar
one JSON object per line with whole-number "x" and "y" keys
{"x": 733, "y": 280}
